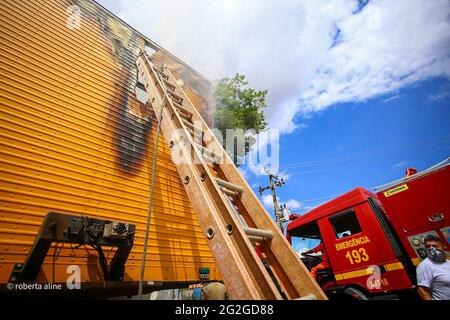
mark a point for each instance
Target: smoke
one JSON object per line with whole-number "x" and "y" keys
{"x": 309, "y": 54}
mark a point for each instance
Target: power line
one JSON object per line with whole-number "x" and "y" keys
{"x": 357, "y": 156}
{"x": 321, "y": 198}
{"x": 372, "y": 189}
{"x": 349, "y": 166}
{"x": 328, "y": 170}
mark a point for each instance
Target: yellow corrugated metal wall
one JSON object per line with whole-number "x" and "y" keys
{"x": 73, "y": 139}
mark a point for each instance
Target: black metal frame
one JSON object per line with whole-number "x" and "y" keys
{"x": 394, "y": 241}
{"x": 59, "y": 227}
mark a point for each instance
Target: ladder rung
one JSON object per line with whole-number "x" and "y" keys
{"x": 209, "y": 152}
{"x": 179, "y": 106}
{"x": 189, "y": 124}
{"x": 230, "y": 186}
{"x": 209, "y": 159}
{"x": 267, "y": 234}
{"x": 184, "y": 115}
{"x": 255, "y": 239}
{"x": 172, "y": 87}
{"x": 196, "y": 135}
{"x": 165, "y": 76}
{"x": 177, "y": 97}
{"x": 228, "y": 192}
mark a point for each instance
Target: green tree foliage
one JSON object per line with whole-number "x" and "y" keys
{"x": 239, "y": 107}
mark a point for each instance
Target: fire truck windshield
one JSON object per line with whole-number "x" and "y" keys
{"x": 305, "y": 238}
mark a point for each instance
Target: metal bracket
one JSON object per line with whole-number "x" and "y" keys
{"x": 59, "y": 227}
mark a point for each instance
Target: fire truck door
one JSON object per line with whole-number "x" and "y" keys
{"x": 353, "y": 249}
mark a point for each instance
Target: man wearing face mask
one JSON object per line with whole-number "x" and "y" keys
{"x": 433, "y": 273}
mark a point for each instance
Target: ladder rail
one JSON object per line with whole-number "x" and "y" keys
{"x": 258, "y": 284}
{"x": 261, "y": 287}
{"x": 290, "y": 267}
{"x": 288, "y": 264}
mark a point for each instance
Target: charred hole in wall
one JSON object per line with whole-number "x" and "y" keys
{"x": 150, "y": 49}
{"x": 144, "y": 98}
{"x": 141, "y": 94}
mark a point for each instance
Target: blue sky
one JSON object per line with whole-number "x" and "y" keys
{"x": 364, "y": 144}
{"x": 358, "y": 90}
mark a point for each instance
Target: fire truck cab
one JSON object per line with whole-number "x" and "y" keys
{"x": 373, "y": 242}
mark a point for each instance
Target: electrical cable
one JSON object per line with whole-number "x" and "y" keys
{"x": 55, "y": 256}
{"x": 152, "y": 185}
{"x": 358, "y": 156}
{"x": 373, "y": 189}
{"x": 349, "y": 166}
{"x": 109, "y": 253}
{"x": 103, "y": 263}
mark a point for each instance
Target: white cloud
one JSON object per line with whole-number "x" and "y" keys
{"x": 258, "y": 170}
{"x": 267, "y": 200}
{"x": 309, "y": 208}
{"x": 395, "y": 97}
{"x": 440, "y": 96}
{"x": 400, "y": 164}
{"x": 293, "y": 204}
{"x": 309, "y": 54}
{"x": 407, "y": 48}
{"x": 265, "y": 153}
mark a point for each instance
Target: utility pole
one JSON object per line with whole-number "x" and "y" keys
{"x": 274, "y": 181}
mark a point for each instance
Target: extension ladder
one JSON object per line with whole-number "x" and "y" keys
{"x": 255, "y": 260}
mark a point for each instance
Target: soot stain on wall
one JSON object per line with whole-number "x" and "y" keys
{"x": 130, "y": 129}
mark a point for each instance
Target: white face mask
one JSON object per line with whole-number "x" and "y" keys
{"x": 436, "y": 255}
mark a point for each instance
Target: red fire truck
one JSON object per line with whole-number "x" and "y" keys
{"x": 373, "y": 242}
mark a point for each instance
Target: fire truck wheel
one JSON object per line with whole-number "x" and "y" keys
{"x": 355, "y": 294}
{"x": 346, "y": 293}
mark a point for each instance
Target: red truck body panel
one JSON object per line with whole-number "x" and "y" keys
{"x": 411, "y": 204}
